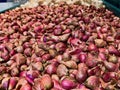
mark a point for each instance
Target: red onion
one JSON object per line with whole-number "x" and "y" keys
{"x": 51, "y": 69}
{"x": 63, "y": 47}
{"x": 91, "y": 62}
{"x": 68, "y": 83}
{"x": 82, "y": 66}
{"x": 23, "y": 74}
{"x": 30, "y": 78}
{"x": 37, "y": 66}
{"x": 55, "y": 77}
{"x": 46, "y": 57}
{"x": 82, "y": 57}
{"x": 14, "y": 71}
{"x": 64, "y": 37}
{"x": 110, "y": 39}
{"x": 113, "y": 50}
{"x": 75, "y": 41}
{"x": 5, "y": 83}
{"x": 102, "y": 56}
{"x": 19, "y": 49}
{"x": 57, "y": 31}
{"x": 106, "y": 77}
{"x": 81, "y": 76}
{"x": 82, "y": 87}
{"x": 94, "y": 71}
{"x": 19, "y": 58}
{"x": 60, "y": 47}
{"x": 28, "y": 52}
{"x": 26, "y": 87}
{"x": 46, "y": 82}
{"x": 85, "y": 37}
{"x": 12, "y": 83}
{"x": 92, "y": 47}
{"x": 117, "y": 36}
{"x": 37, "y": 29}
{"x": 57, "y": 85}
{"x": 110, "y": 66}
{"x": 92, "y": 82}
{"x": 70, "y": 64}
{"x": 62, "y": 70}
{"x": 52, "y": 52}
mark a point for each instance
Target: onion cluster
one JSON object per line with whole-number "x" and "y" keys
{"x": 64, "y": 47}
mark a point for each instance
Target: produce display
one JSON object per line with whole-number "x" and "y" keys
{"x": 64, "y": 47}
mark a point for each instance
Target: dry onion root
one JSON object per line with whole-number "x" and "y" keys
{"x": 64, "y": 47}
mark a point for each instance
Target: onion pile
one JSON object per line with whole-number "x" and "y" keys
{"x": 65, "y": 47}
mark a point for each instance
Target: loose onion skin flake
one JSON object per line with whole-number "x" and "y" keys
{"x": 64, "y": 47}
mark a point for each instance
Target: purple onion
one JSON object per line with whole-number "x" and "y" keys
{"x": 81, "y": 76}
{"x": 68, "y": 83}
{"x": 82, "y": 57}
